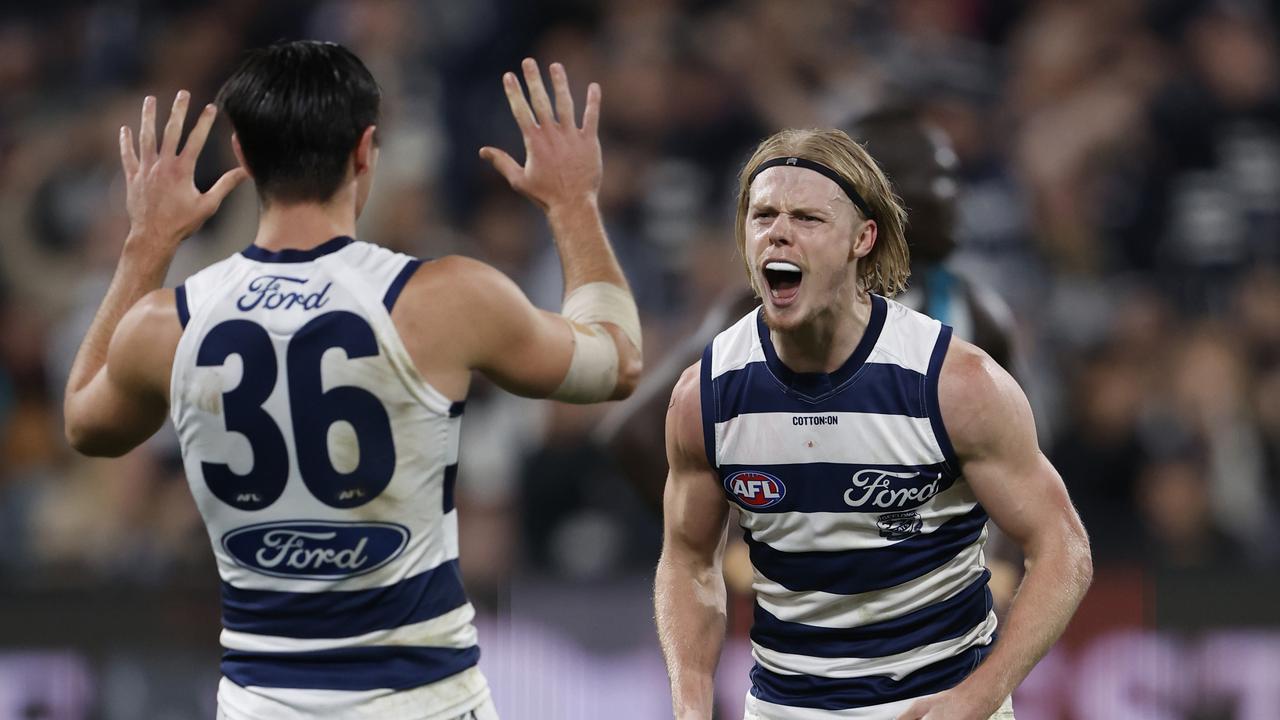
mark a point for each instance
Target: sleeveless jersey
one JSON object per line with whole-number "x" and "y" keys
{"x": 323, "y": 466}
{"x": 866, "y": 542}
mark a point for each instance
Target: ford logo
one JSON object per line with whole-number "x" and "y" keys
{"x": 755, "y": 489}
{"x": 316, "y": 549}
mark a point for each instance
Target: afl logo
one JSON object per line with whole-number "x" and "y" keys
{"x": 755, "y": 489}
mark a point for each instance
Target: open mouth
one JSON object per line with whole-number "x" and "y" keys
{"x": 783, "y": 279}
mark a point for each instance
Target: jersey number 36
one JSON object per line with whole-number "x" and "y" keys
{"x": 312, "y": 411}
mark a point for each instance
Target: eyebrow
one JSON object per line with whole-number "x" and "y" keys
{"x": 793, "y": 211}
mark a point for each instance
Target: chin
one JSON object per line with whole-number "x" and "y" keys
{"x": 783, "y": 319}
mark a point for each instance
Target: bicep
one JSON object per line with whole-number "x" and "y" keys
{"x": 695, "y": 513}
{"x": 128, "y": 399}
{"x": 523, "y": 349}
{"x": 1026, "y": 499}
{"x": 1000, "y": 454}
{"x": 530, "y": 354}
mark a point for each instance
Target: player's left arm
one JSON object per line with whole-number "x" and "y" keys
{"x": 117, "y": 392}
{"x": 991, "y": 427}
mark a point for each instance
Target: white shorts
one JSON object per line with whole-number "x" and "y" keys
{"x": 485, "y": 712}
{"x": 441, "y": 700}
{"x": 757, "y": 709}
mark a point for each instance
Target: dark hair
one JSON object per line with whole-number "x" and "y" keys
{"x": 298, "y": 109}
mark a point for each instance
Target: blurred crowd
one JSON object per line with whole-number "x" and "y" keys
{"x": 1119, "y": 185}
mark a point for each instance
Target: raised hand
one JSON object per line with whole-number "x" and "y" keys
{"x": 163, "y": 202}
{"x": 562, "y": 161}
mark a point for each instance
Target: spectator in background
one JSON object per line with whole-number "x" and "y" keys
{"x": 1176, "y": 520}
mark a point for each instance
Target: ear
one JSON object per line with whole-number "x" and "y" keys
{"x": 864, "y": 240}
{"x": 239, "y": 152}
{"x": 366, "y": 152}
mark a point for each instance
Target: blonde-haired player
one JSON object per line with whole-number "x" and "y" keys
{"x": 865, "y": 449}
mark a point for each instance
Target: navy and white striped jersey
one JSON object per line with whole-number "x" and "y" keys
{"x": 871, "y": 588}
{"x": 323, "y": 465}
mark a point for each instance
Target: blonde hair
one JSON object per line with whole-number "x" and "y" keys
{"x": 886, "y": 268}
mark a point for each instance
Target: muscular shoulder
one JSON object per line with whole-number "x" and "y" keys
{"x": 982, "y": 406}
{"x": 454, "y": 289}
{"x": 154, "y": 318}
{"x": 684, "y": 420}
{"x": 456, "y": 270}
{"x": 143, "y": 346}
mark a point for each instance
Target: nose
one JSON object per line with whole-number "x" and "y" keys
{"x": 779, "y": 232}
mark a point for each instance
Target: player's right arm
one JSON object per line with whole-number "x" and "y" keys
{"x": 561, "y": 174}
{"x": 590, "y": 350}
{"x": 689, "y": 591}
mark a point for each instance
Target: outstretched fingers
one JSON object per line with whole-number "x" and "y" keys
{"x": 537, "y": 92}
{"x": 591, "y": 116}
{"x": 221, "y": 189}
{"x": 173, "y": 128}
{"x": 564, "y": 98}
{"x": 199, "y": 133}
{"x": 128, "y": 156}
{"x": 147, "y": 131}
{"x": 504, "y": 164}
{"x": 519, "y": 105}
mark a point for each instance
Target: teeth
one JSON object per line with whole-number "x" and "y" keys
{"x": 783, "y": 266}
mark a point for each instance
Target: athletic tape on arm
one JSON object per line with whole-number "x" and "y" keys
{"x": 599, "y": 302}
{"x": 593, "y": 371}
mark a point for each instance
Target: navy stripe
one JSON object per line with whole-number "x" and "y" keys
{"x": 710, "y": 413}
{"x": 945, "y": 620}
{"x": 456, "y": 408}
{"x": 825, "y": 693}
{"x": 393, "y": 290}
{"x": 290, "y": 255}
{"x": 821, "y": 487}
{"x": 396, "y": 667}
{"x": 818, "y": 385}
{"x": 344, "y": 613}
{"x": 880, "y": 388}
{"x": 450, "y": 481}
{"x": 931, "y": 398}
{"x": 180, "y": 299}
{"x": 848, "y": 572}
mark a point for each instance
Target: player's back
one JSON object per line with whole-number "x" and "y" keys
{"x": 323, "y": 466}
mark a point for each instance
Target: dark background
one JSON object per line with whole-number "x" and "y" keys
{"x": 1119, "y": 186}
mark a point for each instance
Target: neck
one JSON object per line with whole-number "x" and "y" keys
{"x": 302, "y": 226}
{"x": 824, "y": 343}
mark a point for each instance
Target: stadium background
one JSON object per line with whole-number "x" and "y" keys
{"x": 1119, "y": 185}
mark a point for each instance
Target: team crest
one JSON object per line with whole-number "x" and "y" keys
{"x": 755, "y": 490}
{"x": 900, "y": 525}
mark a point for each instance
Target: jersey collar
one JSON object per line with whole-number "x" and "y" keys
{"x": 818, "y": 385}
{"x": 259, "y": 254}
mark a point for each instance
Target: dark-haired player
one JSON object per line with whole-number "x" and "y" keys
{"x": 317, "y": 382}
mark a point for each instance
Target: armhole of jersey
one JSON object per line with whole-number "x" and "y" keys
{"x": 709, "y": 414}
{"x": 180, "y": 299}
{"x": 398, "y": 283}
{"x": 421, "y": 390}
{"x": 931, "y": 399}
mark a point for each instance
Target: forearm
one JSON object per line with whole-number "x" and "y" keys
{"x": 141, "y": 269}
{"x": 690, "y": 609}
{"x": 585, "y": 254}
{"x": 1057, "y": 577}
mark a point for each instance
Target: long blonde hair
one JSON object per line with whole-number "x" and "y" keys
{"x": 886, "y": 268}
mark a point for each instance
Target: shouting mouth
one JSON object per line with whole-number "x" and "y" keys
{"x": 783, "y": 280}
